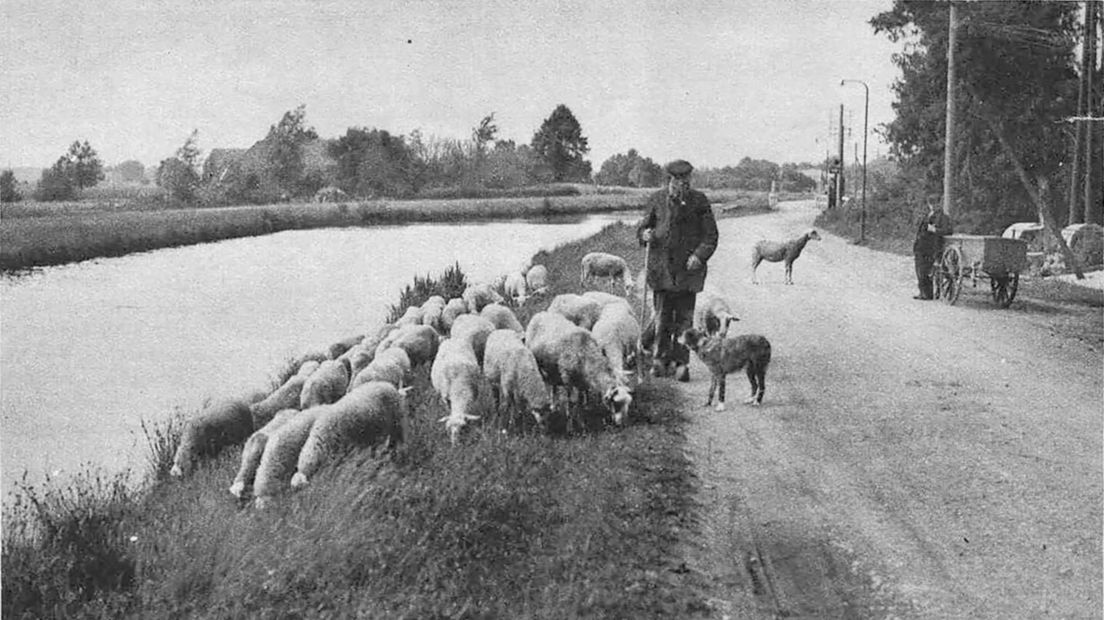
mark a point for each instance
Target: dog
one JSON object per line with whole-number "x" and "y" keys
{"x": 724, "y": 354}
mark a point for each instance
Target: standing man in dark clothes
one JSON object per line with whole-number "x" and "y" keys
{"x": 928, "y": 246}
{"x": 681, "y": 233}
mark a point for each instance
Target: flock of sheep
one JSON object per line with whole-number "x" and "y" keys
{"x": 582, "y": 347}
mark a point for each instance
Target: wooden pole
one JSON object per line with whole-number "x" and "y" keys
{"x": 948, "y": 138}
{"x": 839, "y": 175}
{"x": 1089, "y": 69}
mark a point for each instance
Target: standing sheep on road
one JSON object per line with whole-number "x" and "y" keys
{"x": 456, "y": 375}
{"x": 775, "y": 251}
{"x": 371, "y": 415}
{"x": 603, "y": 265}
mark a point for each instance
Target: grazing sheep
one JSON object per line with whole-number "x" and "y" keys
{"x": 725, "y": 354}
{"x": 515, "y": 287}
{"x": 618, "y": 334}
{"x": 536, "y": 280}
{"x": 254, "y": 449}
{"x": 606, "y": 299}
{"x": 515, "y": 378}
{"x": 455, "y": 375}
{"x": 453, "y": 308}
{"x": 325, "y": 385}
{"x": 224, "y": 422}
{"x": 372, "y": 341}
{"x": 473, "y": 329}
{"x": 412, "y": 316}
{"x": 775, "y": 251}
{"x": 580, "y": 310}
{"x": 370, "y": 415}
{"x": 390, "y": 365}
{"x": 336, "y": 349}
{"x": 419, "y": 342}
{"x": 281, "y": 455}
{"x": 284, "y": 397}
{"x": 502, "y": 317}
{"x": 359, "y": 357}
{"x": 478, "y": 295}
{"x": 712, "y": 315}
{"x": 569, "y": 357}
{"x": 603, "y": 265}
{"x": 431, "y": 312}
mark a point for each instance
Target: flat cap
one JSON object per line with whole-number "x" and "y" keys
{"x": 679, "y": 168}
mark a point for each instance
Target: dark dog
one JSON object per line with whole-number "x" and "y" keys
{"x": 725, "y": 354}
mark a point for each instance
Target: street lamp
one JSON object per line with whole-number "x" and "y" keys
{"x": 866, "y": 115}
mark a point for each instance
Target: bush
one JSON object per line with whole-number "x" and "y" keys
{"x": 55, "y": 185}
{"x": 1087, "y": 245}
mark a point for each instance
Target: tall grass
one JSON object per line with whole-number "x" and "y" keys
{"x": 519, "y": 525}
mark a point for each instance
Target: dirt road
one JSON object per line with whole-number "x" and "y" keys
{"x": 910, "y": 460}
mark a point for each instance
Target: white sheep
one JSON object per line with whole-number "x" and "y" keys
{"x": 580, "y": 310}
{"x": 478, "y": 295}
{"x": 284, "y": 397}
{"x": 456, "y": 375}
{"x": 776, "y": 251}
{"x": 515, "y": 287}
{"x": 515, "y": 379}
{"x": 712, "y": 314}
{"x": 431, "y": 312}
{"x": 419, "y": 342}
{"x": 618, "y": 334}
{"x": 281, "y": 455}
{"x": 223, "y": 422}
{"x": 473, "y": 329}
{"x": 502, "y": 317}
{"x": 411, "y": 316}
{"x": 569, "y": 357}
{"x": 603, "y": 265}
{"x": 370, "y": 415}
{"x": 325, "y": 385}
{"x": 536, "y": 279}
{"x": 453, "y": 308}
{"x": 254, "y": 449}
{"x": 390, "y": 365}
{"x": 336, "y": 349}
{"x": 606, "y": 299}
{"x": 359, "y": 357}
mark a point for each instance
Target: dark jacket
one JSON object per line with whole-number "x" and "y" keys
{"x": 928, "y": 243}
{"x": 678, "y": 230}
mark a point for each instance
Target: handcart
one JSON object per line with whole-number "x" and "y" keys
{"x": 970, "y": 258}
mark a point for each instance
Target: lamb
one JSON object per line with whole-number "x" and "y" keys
{"x": 224, "y": 422}
{"x": 370, "y": 415}
{"x": 325, "y": 385}
{"x": 453, "y": 308}
{"x": 478, "y": 295}
{"x": 281, "y": 455}
{"x": 515, "y": 378}
{"x": 284, "y": 397}
{"x": 774, "y": 252}
{"x": 617, "y": 332}
{"x": 419, "y": 342}
{"x": 431, "y": 312}
{"x": 725, "y": 354}
{"x": 536, "y": 279}
{"x": 603, "y": 265}
{"x": 391, "y": 365}
{"x": 455, "y": 375}
{"x": 412, "y": 316}
{"x": 580, "y": 310}
{"x": 568, "y": 356}
{"x": 501, "y": 317}
{"x": 254, "y": 449}
{"x": 473, "y": 329}
{"x": 712, "y": 315}
{"x": 515, "y": 287}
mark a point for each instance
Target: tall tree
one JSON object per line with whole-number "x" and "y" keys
{"x": 285, "y": 157}
{"x": 179, "y": 175}
{"x": 1017, "y": 59}
{"x": 8, "y": 190}
{"x": 561, "y": 145}
{"x": 372, "y": 162}
{"x": 82, "y": 165}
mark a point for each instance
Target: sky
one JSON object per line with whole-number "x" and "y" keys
{"x": 707, "y": 81}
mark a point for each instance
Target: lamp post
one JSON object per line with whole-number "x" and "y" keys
{"x": 866, "y": 115}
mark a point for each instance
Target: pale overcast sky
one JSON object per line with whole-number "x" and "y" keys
{"x": 712, "y": 82}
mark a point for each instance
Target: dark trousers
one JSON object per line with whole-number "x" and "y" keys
{"x": 924, "y": 267}
{"x": 674, "y": 313}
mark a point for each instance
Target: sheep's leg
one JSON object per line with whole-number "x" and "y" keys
{"x": 755, "y": 260}
{"x": 720, "y": 392}
{"x": 753, "y": 379}
{"x": 789, "y": 272}
{"x": 761, "y": 371}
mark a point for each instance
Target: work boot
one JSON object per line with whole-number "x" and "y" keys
{"x": 682, "y": 373}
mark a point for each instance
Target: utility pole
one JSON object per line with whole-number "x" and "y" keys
{"x": 866, "y": 116}
{"x": 948, "y": 138}
{"x": 1089, "y": 68}
{"x": 839, "y": 175}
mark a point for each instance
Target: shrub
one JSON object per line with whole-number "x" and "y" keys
{"x": 1087, "y": 245}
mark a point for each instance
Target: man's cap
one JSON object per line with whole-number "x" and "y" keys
{"x": 679, "y": 168}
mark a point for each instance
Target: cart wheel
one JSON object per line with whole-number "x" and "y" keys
{"x": 950, "y": 275}
{"x": 1004, "y": 288}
